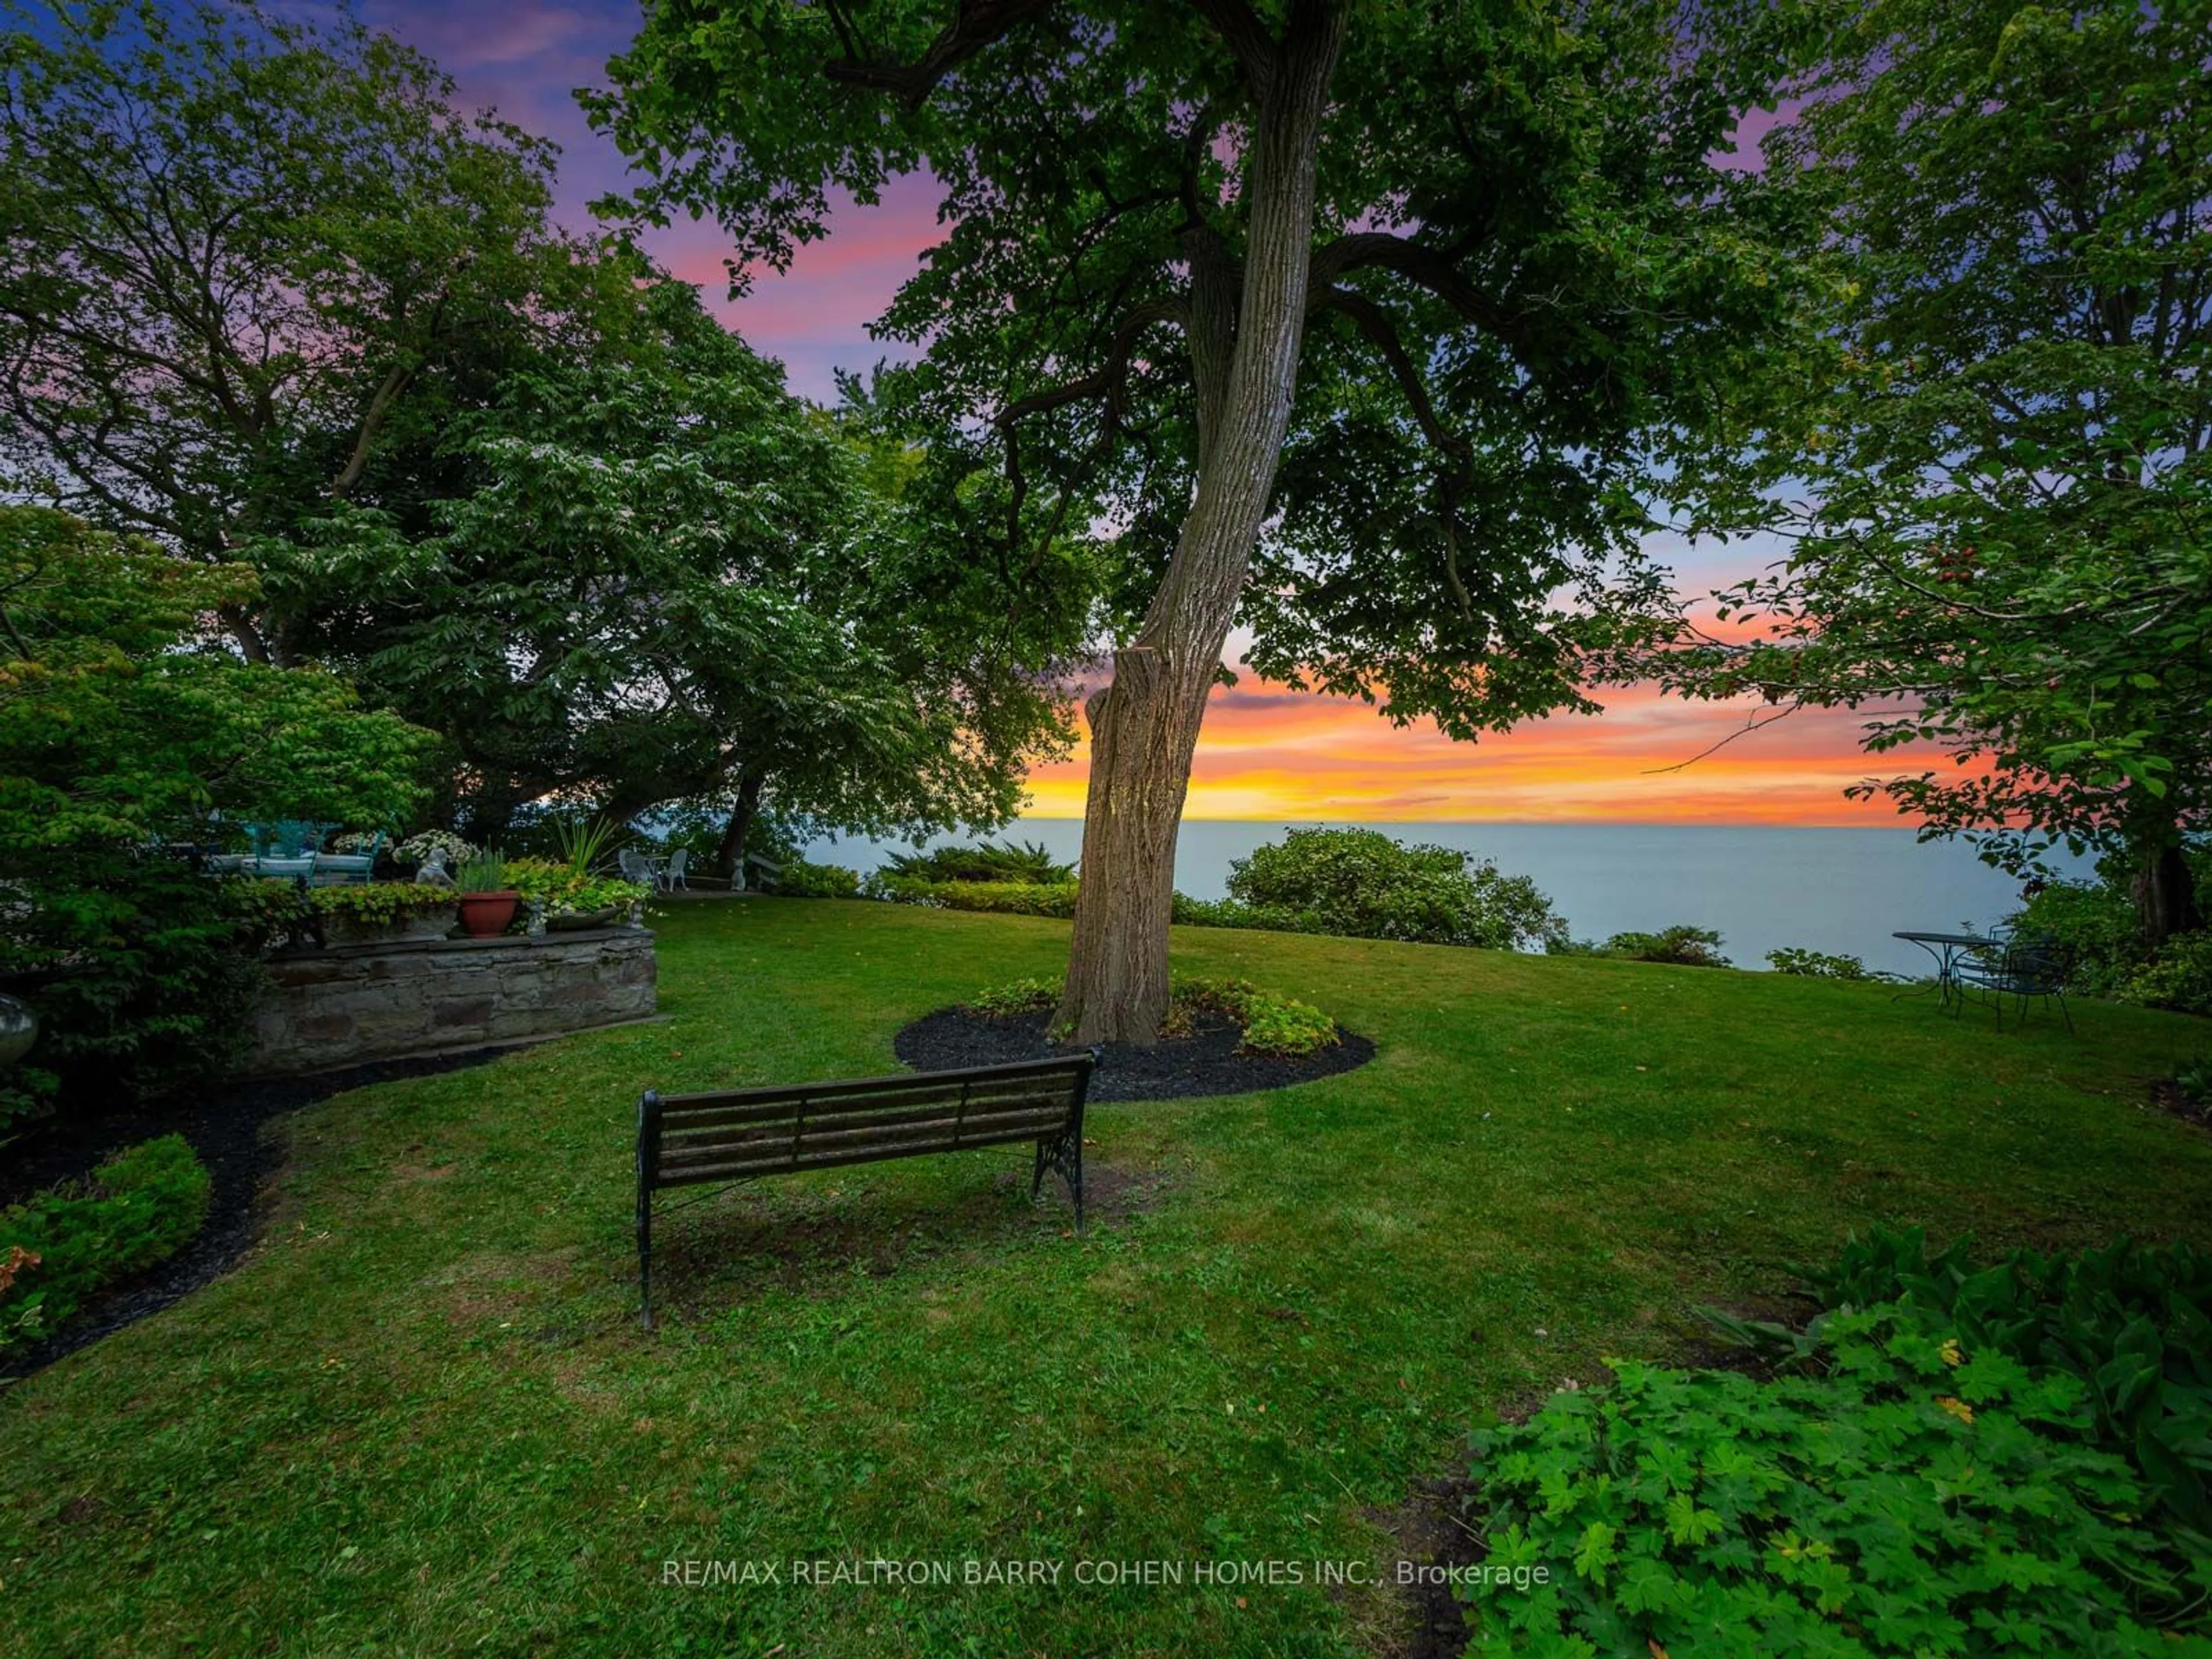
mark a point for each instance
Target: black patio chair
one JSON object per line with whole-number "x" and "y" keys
{"x": 2030, "y": 966}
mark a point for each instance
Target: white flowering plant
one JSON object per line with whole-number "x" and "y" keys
{"x": 415, "y": 849}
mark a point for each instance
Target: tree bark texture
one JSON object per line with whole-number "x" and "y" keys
{"x": 1145, "y": 723}
{"x": 2165, "y": 890}
{"x": 730, "y": 852}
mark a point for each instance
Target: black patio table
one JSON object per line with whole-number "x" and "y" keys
{"x": 1947, "y": 948}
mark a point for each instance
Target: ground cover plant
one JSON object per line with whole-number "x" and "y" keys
{"x": 1271, "y": 1024}
{"x": 2131, "y": 1324}
{"x": 58, "y": 1247}
{"x": 420, "y": 1417}
{"x": 1922, "y": 1495}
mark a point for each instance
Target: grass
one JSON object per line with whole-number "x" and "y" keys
{"x": 421, "y": 1418}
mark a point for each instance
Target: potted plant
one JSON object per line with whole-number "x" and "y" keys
{"x": 381, "y": 911}
{"x": 487, "y": 901}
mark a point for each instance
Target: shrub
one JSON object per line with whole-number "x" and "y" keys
{"x": 60, "y": 1246}
{"x": 1187, "y": 911}
{"x": 1362, "y": 885}
{"x": 1814, "y": 964}
{"x": 148, "y": 982}
{"x": 2094, "y": 924}
{"x": 2132, "y": 1322}
{"x": 1271, "y": 1025}
{"x": 2179, "y": 977}
{"x": 1006, "y": 861}
{"x": 26, "y": 1097}
{"x": 1921, "y": 1497}
{"x": 799, "y": 880}
{"x": 1019, "y": 898}
{"x": 1680, "y": 947}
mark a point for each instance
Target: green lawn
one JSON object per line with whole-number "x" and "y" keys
{"x": 420, "y": 1417}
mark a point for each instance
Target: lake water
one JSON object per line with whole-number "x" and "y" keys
{"x": 1844, "y": 890}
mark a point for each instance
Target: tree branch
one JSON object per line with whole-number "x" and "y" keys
{"x": 1106, "y": 383}
{"x": 1427, "y": 267}
{"x": 976, "y": 24}
{"x": 1105, "y": 380}
{"x": 1459, "y": 455}
{"x": 1246, "y": 38}
{"x": 394, "y": 383}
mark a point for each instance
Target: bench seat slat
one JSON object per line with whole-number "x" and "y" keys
{"x": 787, "y": 1163}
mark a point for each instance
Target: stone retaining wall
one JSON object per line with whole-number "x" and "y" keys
{"x": 364, "y": 1002}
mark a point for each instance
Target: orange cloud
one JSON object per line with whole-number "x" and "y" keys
{"x": 1269, "y": 752}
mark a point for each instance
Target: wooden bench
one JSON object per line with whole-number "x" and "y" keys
{"x": 739, "y": 1133}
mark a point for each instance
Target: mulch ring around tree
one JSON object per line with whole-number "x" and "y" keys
{"x": 1177, "y": 1068}
{"x": 227, "y": 1129}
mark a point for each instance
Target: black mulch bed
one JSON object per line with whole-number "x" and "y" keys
{"x": 226, "y": 1130}
{"x": 2166, "y": 1094}
{"x": 1205, "y": 1063}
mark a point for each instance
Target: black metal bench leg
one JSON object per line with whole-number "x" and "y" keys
{"x": 645, "y": 1256}
{"x": 1065, "y": 1154}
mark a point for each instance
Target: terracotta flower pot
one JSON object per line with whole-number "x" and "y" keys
{"x": 484, "y": 916}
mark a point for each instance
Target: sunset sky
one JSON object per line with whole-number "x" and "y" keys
{"x": 1266, "y": 752}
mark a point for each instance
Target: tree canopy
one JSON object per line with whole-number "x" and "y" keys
{"x": 266, "y": 298}
{"x": 660, "y": 576}
{"x": 2003, "y": 545}
{"x": 238, "y": 255}
{"x": 1437, "y": 295}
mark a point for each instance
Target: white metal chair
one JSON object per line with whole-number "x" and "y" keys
{"x": 672, "y": 876}
{"x": 632, "y": 864}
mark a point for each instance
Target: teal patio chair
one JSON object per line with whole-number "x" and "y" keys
{"x": 2029, "y": 966}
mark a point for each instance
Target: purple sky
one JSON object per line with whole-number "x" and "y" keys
{"x": 524, "y": 58}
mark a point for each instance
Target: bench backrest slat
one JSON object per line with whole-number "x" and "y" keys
{"x": 706, "y": 1112}
{"x": 978, "y": 1076}
{"x": 955, "y": 1126}
{"x": 686, "y": 1139}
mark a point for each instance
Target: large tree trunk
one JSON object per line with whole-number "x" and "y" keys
{"x": 730, "y": 851}
{"x": 1144, "y": 726}
{"x": 2165, "y": 890}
